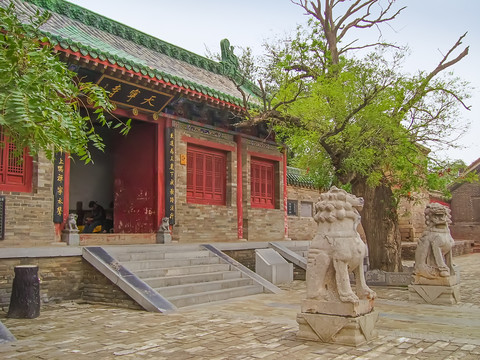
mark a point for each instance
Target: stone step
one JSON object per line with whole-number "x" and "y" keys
{"x": 182, "y": 270}
{"x": 160, "y": 255}
{"x": 168, "y": 263}
{"x": 191, "y": 289}
{"x": 158, "y": 282}
{"x": 206, "y": 297}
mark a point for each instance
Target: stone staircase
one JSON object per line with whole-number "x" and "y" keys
{"x": 185, "y": 275}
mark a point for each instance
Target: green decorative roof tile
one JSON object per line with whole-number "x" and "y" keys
{"x": 298, "y": 177}
{"x": 75, "y": 28}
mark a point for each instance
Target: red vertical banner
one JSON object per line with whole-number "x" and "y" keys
{"x": 285, "y": 196}
{"x": 239, "y": 187}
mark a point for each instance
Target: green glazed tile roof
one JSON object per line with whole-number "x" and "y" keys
{"x": 77, "y": 29}
{"x": 297, "y": 177}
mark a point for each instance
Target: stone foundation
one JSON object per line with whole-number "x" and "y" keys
{"x": 342, "y": 330}
{"x": 434, "y": 294}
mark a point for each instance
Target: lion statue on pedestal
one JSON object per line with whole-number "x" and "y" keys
{"x": 337, "y": 249}
{"x": 433, "y": 257}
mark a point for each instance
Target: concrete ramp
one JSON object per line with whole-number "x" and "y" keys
{"x": 137, "y": 289}
{"x": 289, "y": 255}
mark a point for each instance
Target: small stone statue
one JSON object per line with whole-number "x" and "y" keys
{"x": 163, "y": 233}
{"x": 71, "y": 224}
{"x": 337, "y": 249}
{"x": 165, "y": 227}
{"x": 433, "y": 257}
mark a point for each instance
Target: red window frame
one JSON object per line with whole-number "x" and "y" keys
{"x": 262, "y": 183}
{"x": 206, "y": 175}
{"x": 15, "y": 169}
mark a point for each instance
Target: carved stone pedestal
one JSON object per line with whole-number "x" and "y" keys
{"x": 434, "y": 294}
{"x": 334, "y": 329}
{"x": 71, "y": 237}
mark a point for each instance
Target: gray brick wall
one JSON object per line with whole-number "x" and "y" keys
{"x": 29, "y": 216}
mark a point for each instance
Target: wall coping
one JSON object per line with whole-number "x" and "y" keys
{"x": 39, "y": 252}
{"x": 56, "y": 251}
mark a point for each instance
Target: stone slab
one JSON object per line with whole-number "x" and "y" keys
{"x": 439, "y": 281}
{"x": 312, "y": 306}
{"x": 435, "y": 295}
{"x": 272, "y": 266}
{"x": 342, "y": 330}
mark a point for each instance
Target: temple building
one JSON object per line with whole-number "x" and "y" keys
{"x": 183, "y": 158}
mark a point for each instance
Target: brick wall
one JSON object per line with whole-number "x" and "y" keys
{"x": 98, "y": 289}
{"x": 263, "y": 224}
{"x": 199, "y": 222}
{"x": 411, "y": 216}
{"x": 65, "y": 278}
{"x": 29, "y": 216}
{"x": 465, "y": 206}
{"x": 61, "y": 278}
{"x": 300, "y": 226}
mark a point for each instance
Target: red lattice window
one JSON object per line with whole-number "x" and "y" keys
{"x": 262, "y": 183}
{"x": 206, "y": 175}
{"x": 15, "y": 167}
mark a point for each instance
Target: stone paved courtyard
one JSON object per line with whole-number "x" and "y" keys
{"x": 254, "y": 327}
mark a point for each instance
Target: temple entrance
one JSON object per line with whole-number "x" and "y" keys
{"x": 122, "y": 179}
{"x": 134, "y": 180}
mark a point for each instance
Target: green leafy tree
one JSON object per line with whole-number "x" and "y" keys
{"x": 355, "y": 119}
{"x": 43, "y": 105}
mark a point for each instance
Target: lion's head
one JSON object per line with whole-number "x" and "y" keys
{"x": 337, "y": 204}
{"x": 437, "y": 215}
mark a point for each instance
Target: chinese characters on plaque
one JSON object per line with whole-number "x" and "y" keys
{"x": 132, "y": 95}
{"x": 58, "y": 187}
{"x": 170, "y": 174}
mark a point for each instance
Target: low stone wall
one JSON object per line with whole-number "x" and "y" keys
{"x": 461, "y": 247}
{"x": 61, "y": 278}
{"x": 98, "y": 289}
{"x": 64, "y": 276}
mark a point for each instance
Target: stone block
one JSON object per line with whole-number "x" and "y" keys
{"x": 71, "y": 238}
{"x": 361, "y": 307}
{"x": 434, "y": 294}
{"x": 272, "y": 266}
{"x": 341, "y": 330}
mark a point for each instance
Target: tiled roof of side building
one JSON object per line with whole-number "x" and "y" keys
{"x": 296, "y": 177}
{"x": 79, "y": 30}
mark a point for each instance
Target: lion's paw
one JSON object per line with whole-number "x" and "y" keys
{"x": 349, "y": 298}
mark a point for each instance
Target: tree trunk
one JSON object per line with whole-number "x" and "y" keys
{"x": 25, "y": 298}
{"x": 380, "y": 222}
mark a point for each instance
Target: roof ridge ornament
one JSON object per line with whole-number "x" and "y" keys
{"x": 230, "y": 63}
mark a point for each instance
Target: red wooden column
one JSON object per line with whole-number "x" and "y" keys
{"x": 285, "y": 195}
{"x": 239, "y": 187}
{"x": 160, "y": 169}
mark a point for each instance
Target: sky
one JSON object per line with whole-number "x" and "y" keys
{"x": 428, "y": 27}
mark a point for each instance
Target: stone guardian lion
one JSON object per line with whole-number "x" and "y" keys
{"x": 337, "y": 250}
{"x": 433, "y": 257}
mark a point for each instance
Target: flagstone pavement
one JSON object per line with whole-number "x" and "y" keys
{"x": 255, "y": 327}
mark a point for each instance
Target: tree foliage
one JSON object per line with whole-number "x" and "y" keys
{"x": 44, "y": 105}
{"x": 348, "y": 112}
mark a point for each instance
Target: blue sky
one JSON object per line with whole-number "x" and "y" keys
{"x": 428, "y": 27}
